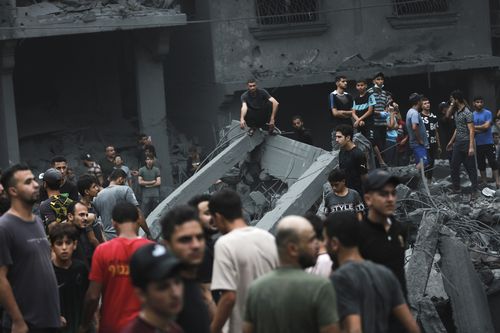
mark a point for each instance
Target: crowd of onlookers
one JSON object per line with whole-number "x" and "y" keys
{"x": 71, "y": 259}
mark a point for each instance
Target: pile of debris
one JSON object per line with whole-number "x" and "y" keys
{"x": 453, "y": 267}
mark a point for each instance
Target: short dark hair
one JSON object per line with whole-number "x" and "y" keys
{"x": 195, "y": 201}
{"x": 61, "y": 230}
{"x": 337, "y": 175}
{"x": 477, "y": 98}
{"x": 317, "y": 224}
{"x": 345, "y": 227}
{"x": 117, "y": 173}
{"x": 345, "y": 129}
{"x": 117, "y": 155}
{"x": 85, "y": 182}
{"x": 57, "y": 159}
{"x": 8, "y": 176}
{"x": 365, "y": 81}
{"x": 423, "y": 99}
{"x": 142, "y": 135}
{"x": 297, "y": 117}
{"x": 151, "y": 149}
{"x": 251, "y": 80}
{"x": 227, "y": 203}
{"x": 340, "y": 77}
{"x": 458, "y": 95}
{"x": 175, "y": 217}
{"x": 124, "y": 212}
{"x": 72, "y": 205}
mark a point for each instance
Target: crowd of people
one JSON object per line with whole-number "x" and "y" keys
{"x": 71, "y": 259}
{"x": 209, "y": 272}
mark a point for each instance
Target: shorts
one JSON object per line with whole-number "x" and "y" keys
{"x": 420, "y": 154}
{"x": 379, "y": 136}
{"x": 486, "y": 152}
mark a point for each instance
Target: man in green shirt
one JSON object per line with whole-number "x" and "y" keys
{"x": 150, "y": 181}
{"x": 288, "y": 299}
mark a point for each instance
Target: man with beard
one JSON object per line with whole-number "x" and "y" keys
{"x": 367, "y": 293}
{"x": 288, "y": 299}
{"x": 28, "y": 285}
{"x": 257, "y": 106}
{"x": 200, "y": 203}
{"x": 61, "y": 164}
{"x": 183, "y": 235}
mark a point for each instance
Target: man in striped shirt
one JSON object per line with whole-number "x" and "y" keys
{"x": 379, "y": 117}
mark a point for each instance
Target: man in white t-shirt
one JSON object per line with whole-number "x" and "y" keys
{"x": 242, "y": 254}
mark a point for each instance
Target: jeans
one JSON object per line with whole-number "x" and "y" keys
{"x": 458, "y": 157}
{"x": 148, "y": 204}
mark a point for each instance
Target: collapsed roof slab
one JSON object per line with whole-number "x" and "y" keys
{"x": 303, "y": 193}
{"x": 471, "y": 312}
{"x": 205, "y": 177}
{"x": 287, "y": 159}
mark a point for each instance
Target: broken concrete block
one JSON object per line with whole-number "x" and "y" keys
{"x": 420, "y": 264}
{"x": 470, "y": 306}
{"x": 402, "y": 191}
{"x": 428, "y": 317}
{"x": 264, "y": 176}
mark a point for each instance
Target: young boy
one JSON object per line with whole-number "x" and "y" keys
{"x": 339, "y": 197}
{"x": 72, "y": 275}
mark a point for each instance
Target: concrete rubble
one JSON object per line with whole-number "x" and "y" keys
{"x": 453, "y": 260}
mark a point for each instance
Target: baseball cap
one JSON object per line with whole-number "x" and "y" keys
{"x": 52, "y": 176}
{"x": 376, "y": 180}
{"x": 415, "y": 97}
{"x": 150, "y": 263}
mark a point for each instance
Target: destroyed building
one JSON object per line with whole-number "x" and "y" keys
{"x": 80, "y": 74}
{"x": 295, "y": 48}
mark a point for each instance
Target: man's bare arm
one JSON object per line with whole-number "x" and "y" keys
{"x": 402, "y": 312}
{"x": 224, "y": 309}
{"x": 142, "y": 223}
{"x": 275, "y": 109}
{"x": 244, "y": 110}
{"x": 333, "y": 328}
{"x": 90, "y": 305}
{"x": 8, "y": 301}
{"x": 352, "y": 324}
{"x": 247, "y": 327}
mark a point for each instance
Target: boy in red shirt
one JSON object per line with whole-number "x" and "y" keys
{"x": 109, "y": 275}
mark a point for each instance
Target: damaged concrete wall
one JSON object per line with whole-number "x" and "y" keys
{"x": 350, "y": 41}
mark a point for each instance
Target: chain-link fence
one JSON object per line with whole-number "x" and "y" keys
{"x": 271, "y": 12}
{"x": 415, "y": 7}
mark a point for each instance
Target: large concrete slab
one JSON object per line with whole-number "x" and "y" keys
{"x": 303, "y": 193}
{"x": 471, "y": 312}
{"x": 287, "y": 159}
{"x": 207, "y": 176}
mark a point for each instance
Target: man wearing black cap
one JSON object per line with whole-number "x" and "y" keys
{"x": 54, "y": 209}
{"x": 382, "y": 238}
{"x": 416, "y": 131}
{"x": 379, "y": 119}
{"x": 155, "y": 276}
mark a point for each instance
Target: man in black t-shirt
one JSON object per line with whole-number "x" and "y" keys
{"x": 351, "y": 158}
{"x": 300, "y": 133}
{"x": 60, "y": 163}
{"x": 72, "y": 274}
{"x": 258, "y": 107}
{"x": 341, "y": 106}
{"x": 431, "y": 128}
{"x": 183, "y": 235}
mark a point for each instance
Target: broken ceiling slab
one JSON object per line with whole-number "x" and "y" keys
{"x": 205, "y": 177}
{"x": 471, "y": 311}
{"x": 303, "y": 193}
{"x": 54, "y": 19}
{"x": 287, "y": 159}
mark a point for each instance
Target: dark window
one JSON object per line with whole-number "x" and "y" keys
{"x": 286, "y": 11}
{"x": 412, "y": 7}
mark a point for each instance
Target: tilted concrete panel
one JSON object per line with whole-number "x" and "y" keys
{"x": 287, "y": 159}
{"x": 303, "y": 193}
{"x": 207, "y": 176}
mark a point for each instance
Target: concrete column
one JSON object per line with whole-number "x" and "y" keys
{"x": 481, "y": 84}
{"x": 151, "y": 46}
{"x": 9, "y": 144}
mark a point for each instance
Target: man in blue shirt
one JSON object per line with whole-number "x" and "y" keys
{"x": 485, "y": 148}
{"x": 416, "y": 130}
